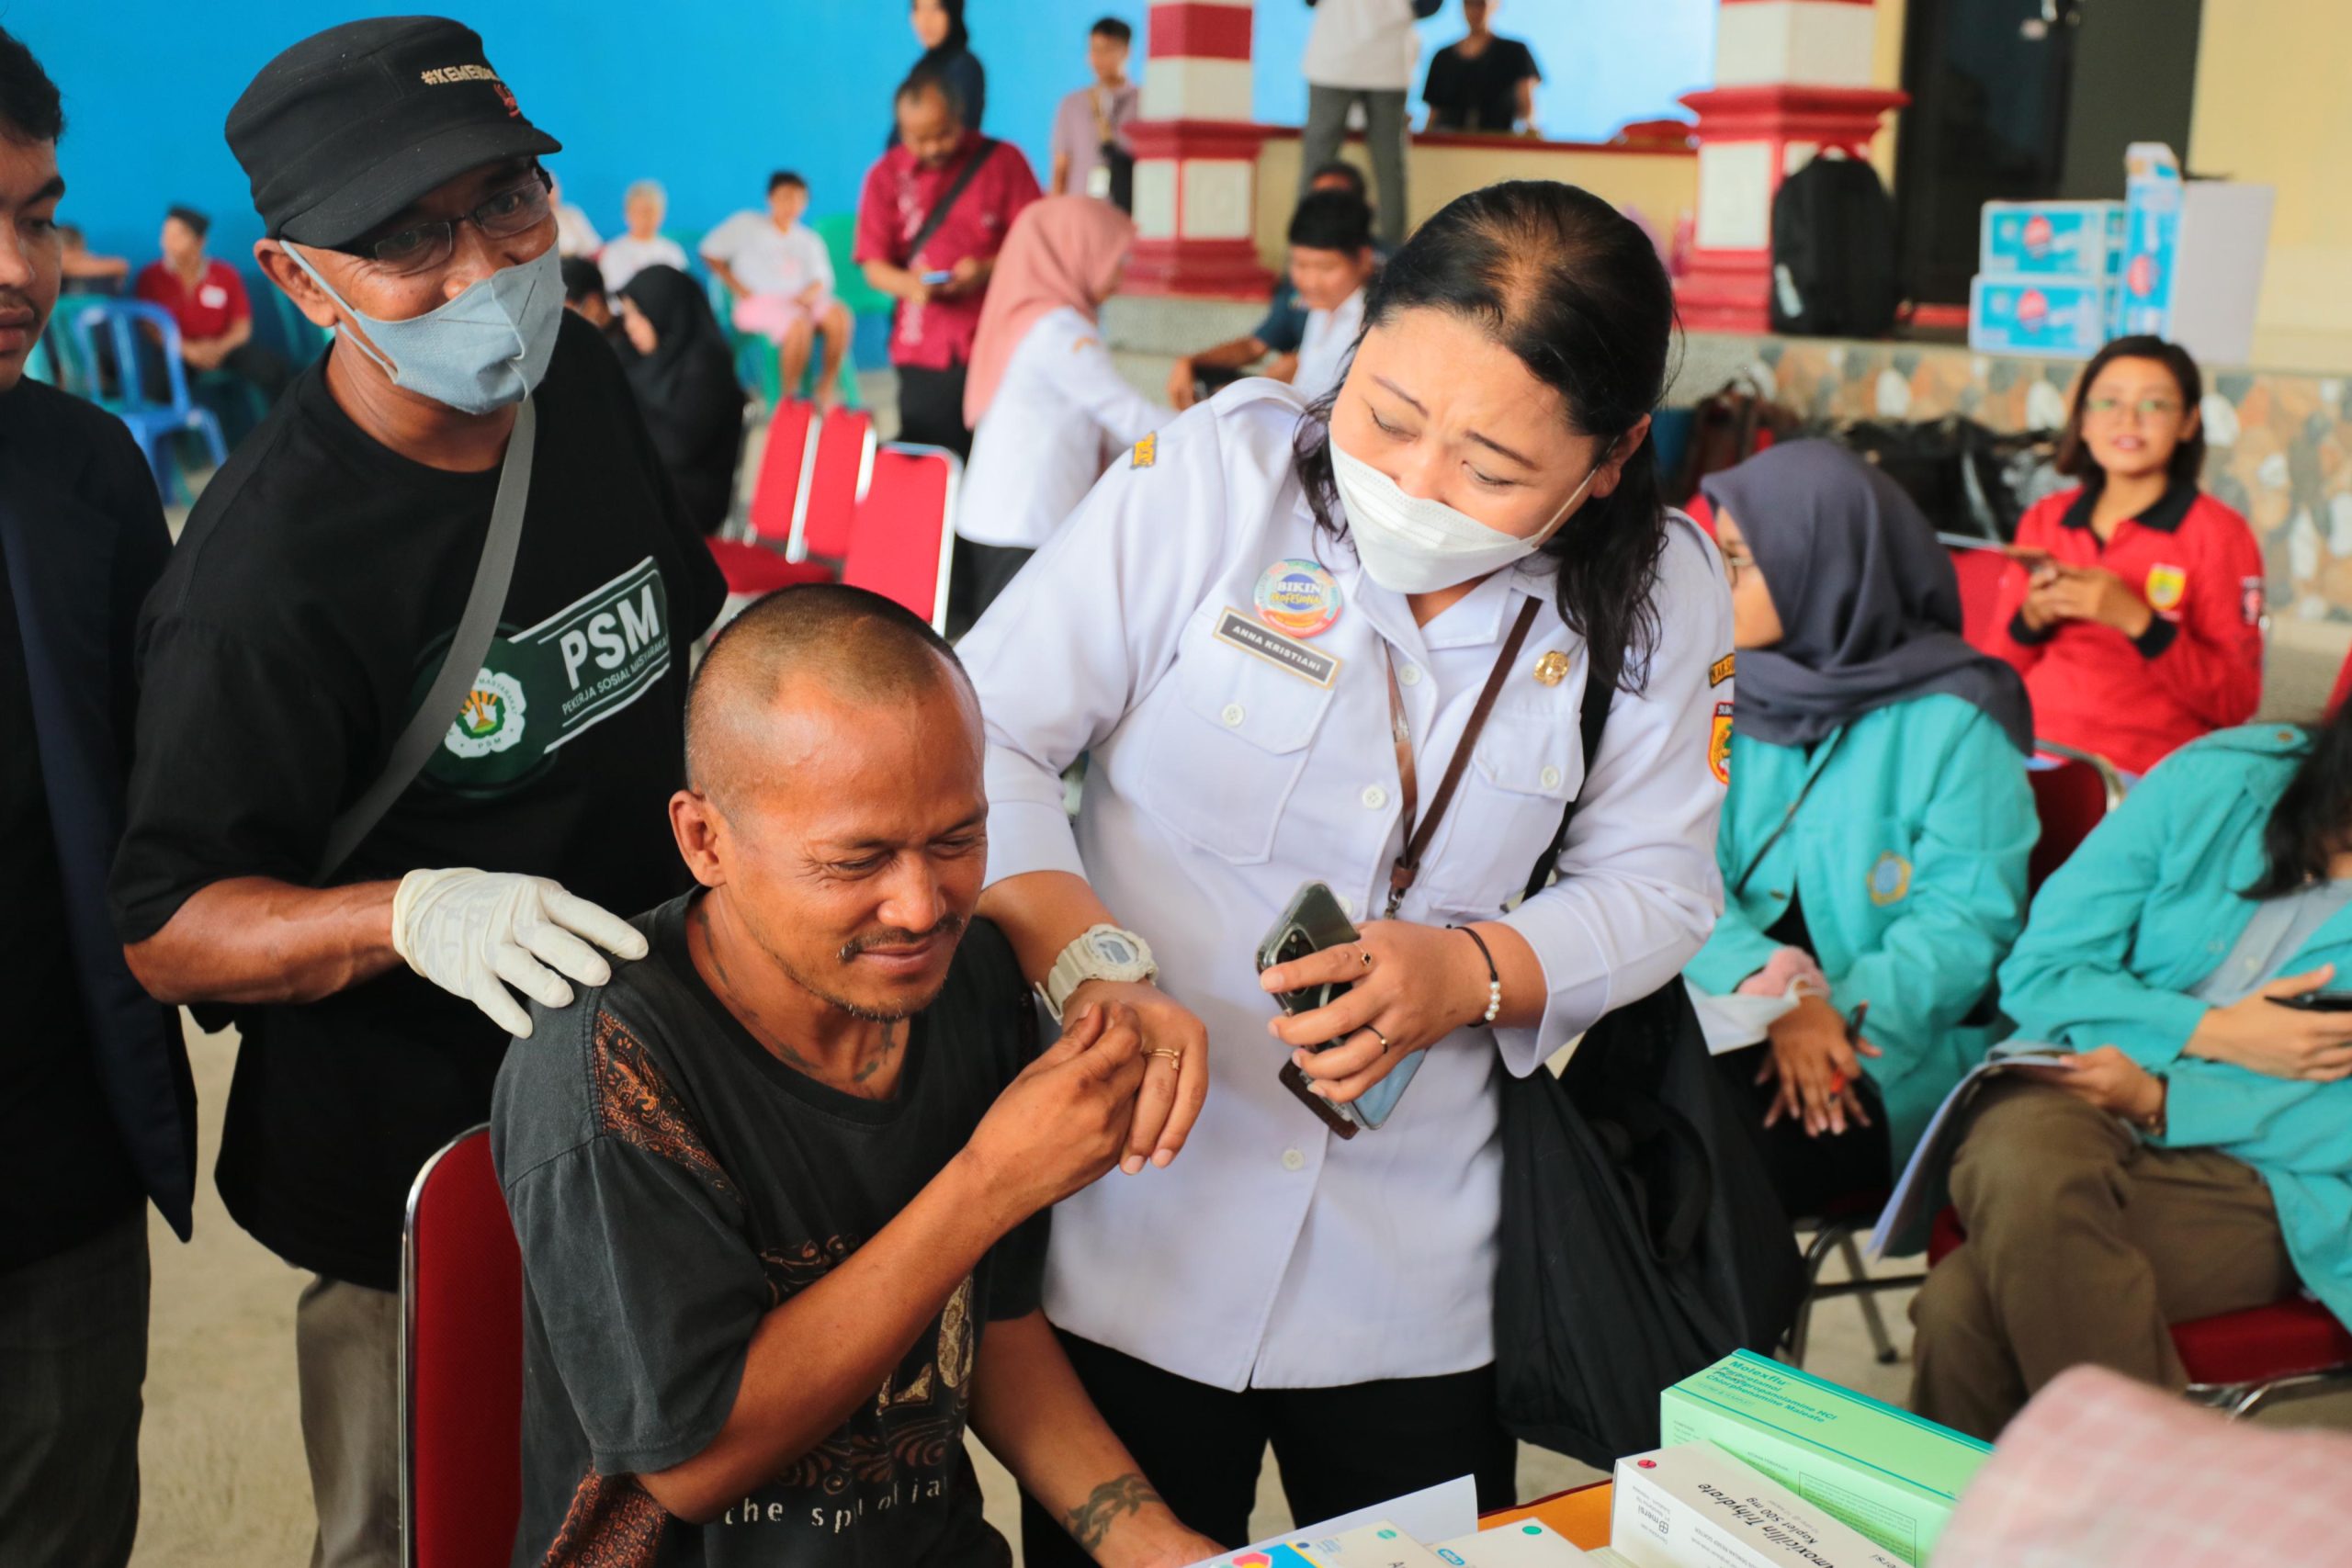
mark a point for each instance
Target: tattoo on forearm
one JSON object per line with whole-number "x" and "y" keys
{"x": 1105, "y": 1506}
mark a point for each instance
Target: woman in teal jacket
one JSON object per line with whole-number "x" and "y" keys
{"x": 2163, "y": 952}
{"x": 1874, "y": 839}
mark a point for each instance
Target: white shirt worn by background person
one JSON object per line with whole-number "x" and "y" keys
{"x": 1040, "y": 446}
{"x": 626, "y": 255}
{"x": 768, "y": 260}
{"x": 1328, "y": 347}
{"x": 574, "y": 235}
{"x": 1368, "y": 44}
{"x": 1270, "y": 1254}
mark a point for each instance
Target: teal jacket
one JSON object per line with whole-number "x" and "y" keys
{"x": 2147, "y": 908}
{"x": 1908, "y": 855}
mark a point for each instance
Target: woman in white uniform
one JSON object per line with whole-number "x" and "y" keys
{"x": 1269, "y": 626}
{"x": 1045, "y": 405}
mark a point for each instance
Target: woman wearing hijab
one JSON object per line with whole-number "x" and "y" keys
{"x": 1044, "y": 402}
{"x": 1874, "y": 839}
{"x": 683, "y": 374}
{"x": 947, "y": 54}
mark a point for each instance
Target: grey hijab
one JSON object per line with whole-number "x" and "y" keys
{"x": 1867, "y": 595}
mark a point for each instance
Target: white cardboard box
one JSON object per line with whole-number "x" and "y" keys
{"x": 1527, "y": 1544}
{"x": 1695, "y": 1506}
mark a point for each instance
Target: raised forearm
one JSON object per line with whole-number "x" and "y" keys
{"x": 894, "y": 281}
{"x": 1238, "y": 355}
{"x": 823, "y": 1353}
{"x": 254, "y": 939}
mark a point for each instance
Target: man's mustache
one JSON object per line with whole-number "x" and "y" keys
{"x": 890, "y": 936}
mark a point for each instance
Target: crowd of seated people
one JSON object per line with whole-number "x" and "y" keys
{"x": 740, "y": 960}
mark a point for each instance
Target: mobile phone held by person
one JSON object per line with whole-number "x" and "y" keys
{"x": 2318, "y": 1001}
{"x": 933, "y": 279}
{"x": 1314, "y": 922}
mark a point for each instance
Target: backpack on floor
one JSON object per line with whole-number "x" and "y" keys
{"x": 1833, "y": 251}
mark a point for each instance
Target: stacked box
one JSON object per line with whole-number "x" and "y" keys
{"x": 2081, "y": 239}
{"x": 1692, "y": 1506}
{"x": 2192, "y": 257}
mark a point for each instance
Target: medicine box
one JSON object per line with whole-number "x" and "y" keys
{"x": 2192, "y": 259}
{"x": 1693, "y": 1506}
{"x": 1527, "y": 1544}
{"x": 2056, "y": 318}
{"x": 2081, "y": 239}
{"x": 1890, "y": 1474}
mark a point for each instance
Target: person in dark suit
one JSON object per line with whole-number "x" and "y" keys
{"x": 99, "y": 1116}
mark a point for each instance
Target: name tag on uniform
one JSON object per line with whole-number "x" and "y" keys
{"x": 1252, "y": 636}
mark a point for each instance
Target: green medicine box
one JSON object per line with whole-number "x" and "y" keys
{"x": 1888, "y": 1473}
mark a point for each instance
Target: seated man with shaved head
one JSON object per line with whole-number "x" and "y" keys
{"x": 780, "y": 1185}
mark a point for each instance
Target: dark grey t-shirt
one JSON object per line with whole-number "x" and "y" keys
{"x": 670, "y": 1182}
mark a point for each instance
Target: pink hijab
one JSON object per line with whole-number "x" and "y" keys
{"x": 1064, "y": 252}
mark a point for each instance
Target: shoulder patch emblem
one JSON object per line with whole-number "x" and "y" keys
{"x": 1719, "y": 745}
{"x": 1147, "y": 452}
{"x": 2254, "y": 597}
{"x": 1720, "y": 671}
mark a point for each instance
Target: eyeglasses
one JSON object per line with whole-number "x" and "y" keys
{"x": 2146, "y": 408}
{"x": 421, "y": 247}
{"x": 1734, "y": 563}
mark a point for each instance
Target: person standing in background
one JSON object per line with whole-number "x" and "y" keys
{"x": 1361, "y": 51}
{"x": 208, "y": 299}
{"x": 101, "y": 1113}
{"x": 1482, "y": 83}
{"x": 644, "y": 207}
{"x": 947, "y": 54}
{"x": 1091, "y": 127}
{"x": 934, "y": 212}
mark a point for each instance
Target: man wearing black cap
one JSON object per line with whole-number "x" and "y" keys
{"x": 305, "y": 822}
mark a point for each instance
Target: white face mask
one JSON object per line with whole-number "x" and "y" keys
{"x": 480, "y": 351}
{"x": 1411, "y": 545}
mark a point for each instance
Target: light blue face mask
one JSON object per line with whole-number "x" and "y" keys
{"x": 480, "y": 352}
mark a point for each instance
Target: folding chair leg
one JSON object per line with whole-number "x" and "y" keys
{"x": 1816, "y": 1254}
{"x": 1871, "y": 1318}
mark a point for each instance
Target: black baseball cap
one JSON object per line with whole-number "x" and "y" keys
{"x": 348, "y": 127}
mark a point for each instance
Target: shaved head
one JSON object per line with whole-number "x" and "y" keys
{"x": 858, "y": 649}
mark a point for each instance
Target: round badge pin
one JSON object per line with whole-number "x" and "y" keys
{"x": 1297, "y": 597}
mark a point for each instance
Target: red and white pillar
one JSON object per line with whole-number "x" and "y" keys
{"x": 1792, "y": 77}
{"x": 1196, "y": 154}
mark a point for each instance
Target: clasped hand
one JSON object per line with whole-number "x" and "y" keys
{"x": 2086, "y": 594}
{"x": 1819, "y": 1071}
{"x": 1422, "y": 983}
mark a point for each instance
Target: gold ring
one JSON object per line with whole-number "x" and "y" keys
{"x": 1173, "y": 1055}
{"x": 1377, "y": 1035}
{"x": 1365, "y": 956}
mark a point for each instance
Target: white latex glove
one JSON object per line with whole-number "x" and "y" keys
{"x": 1787, "y": 968}
{"x": 467, "y": 930}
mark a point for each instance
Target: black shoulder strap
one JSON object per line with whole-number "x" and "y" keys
{"x": 947, "y": 199}
{"x": 1599, "y": 691}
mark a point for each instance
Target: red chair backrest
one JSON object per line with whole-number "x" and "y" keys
{"x": 461, "y": 1364}
{"x": 2070, "y": 798}
{"x": 904, "y": 537}
{"x": 1980, "y": 591}
{"x": 837, "y": 482}
{"x": 781, "y": 494}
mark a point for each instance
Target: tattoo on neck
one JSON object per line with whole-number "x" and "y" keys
{"x": 894, "y": 1036}
{"x": 1105, "y": 1506}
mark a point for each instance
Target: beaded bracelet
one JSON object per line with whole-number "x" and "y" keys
{"x": 1494, "y": 979}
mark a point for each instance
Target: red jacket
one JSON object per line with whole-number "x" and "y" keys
{"x": 2197, "y": 666}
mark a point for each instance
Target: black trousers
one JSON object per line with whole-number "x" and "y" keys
{"x": 1339, "y": 1448}
{"x": 1810, "y": 1174}
{"x": 931, "y": 408}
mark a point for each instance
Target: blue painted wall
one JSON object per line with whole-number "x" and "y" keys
{"x": 708, "y": 96}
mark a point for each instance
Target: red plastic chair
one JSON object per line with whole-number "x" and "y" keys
{"x": 2237, "y": 1361}
{"x": 905, "y": 536}
{"x": 2071, "y": 800}
{"x": 839, "y": 476}
{"x": 2343, "y": 687}
{"x": 1981, "y": 569}
{"x": 780, "y": 497}
{"x": 461, "y": 1364}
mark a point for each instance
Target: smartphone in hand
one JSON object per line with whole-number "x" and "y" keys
{"x": 1314, "y": 922}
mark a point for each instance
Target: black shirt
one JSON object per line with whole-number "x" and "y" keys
{"x": 1480, "y": 93}
{"x": 307, "y": 606}
{"x": 63, "y": 1173}
{"x": 670, "y": 1182}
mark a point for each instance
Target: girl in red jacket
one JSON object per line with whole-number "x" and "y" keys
{"x": 2133, "y": 607}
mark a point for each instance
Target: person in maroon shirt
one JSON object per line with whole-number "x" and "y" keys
{"x": 2133, "y": 604}
{"x": 939, "y": 284}
{"x": 208, "y": 299}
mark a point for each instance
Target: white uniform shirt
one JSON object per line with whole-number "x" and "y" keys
{"x": 626, "y": 255}
{"x": 1272, "y": 1254}
{"x": 1362, "y": 44}
{"x": 1040, "y": 446}
{"x": 769, "y": 260}
{"x": 1328, "y": 344}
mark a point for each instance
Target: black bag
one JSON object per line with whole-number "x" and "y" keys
{"x": 1640, "y": 1239}
{"x": 1833, "y": 251}
{"x": 1969, "y": 480}
{"x": 1729, "y": 427}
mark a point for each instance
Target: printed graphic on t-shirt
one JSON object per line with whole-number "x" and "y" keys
{"x": 544, "y": 686}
